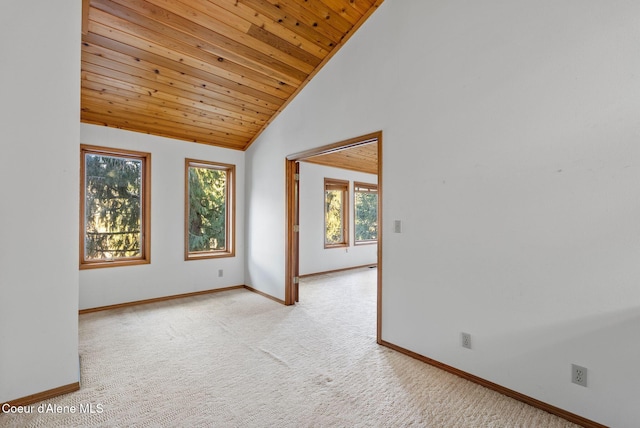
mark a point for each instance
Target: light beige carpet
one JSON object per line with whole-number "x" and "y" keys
{"x": 237, "y": 359}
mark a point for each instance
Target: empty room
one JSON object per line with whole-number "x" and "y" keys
{"x": 319, "y": 213}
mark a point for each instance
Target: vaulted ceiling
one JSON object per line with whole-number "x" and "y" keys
{"x": 210, "y": 71}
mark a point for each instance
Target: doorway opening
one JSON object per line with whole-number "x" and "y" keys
{"x": 363, "y": 152}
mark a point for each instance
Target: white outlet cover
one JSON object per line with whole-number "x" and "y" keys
{"x": 579, "y": 375}
{"x": 466, "y": 340}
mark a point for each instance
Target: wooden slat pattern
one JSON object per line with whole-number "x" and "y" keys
{"x": 362, "y": 158}
{"x": 211, "y": 71}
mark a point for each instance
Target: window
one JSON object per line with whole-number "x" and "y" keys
{"x": 114, "y": 207}
{"x": 336, "y": 208}
{"x": 366, "y": 212}
{"x": 209, "y": 210}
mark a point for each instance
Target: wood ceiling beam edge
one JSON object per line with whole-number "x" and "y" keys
{"x": 147, "y": 122}
{"x": 366, "y": 169}
{"x": 346, "y": 38}
{"x": 351, "y": 143}
{"x": 171, "y": 136}
{"x": 156, "y": 132}
{"x": 94, "y": 96}
{"x": 99, "y": 121}
{"x": 115, "y": 95}
{"x": 350, "y": 147}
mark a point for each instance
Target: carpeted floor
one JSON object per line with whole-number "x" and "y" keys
{"x": 237, "y": 359}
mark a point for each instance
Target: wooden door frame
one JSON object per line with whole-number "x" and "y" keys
{"x": 292, "y": 257}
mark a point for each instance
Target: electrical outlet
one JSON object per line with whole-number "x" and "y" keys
{"x": 579, "y": 375}
{"x": 466, "y": 340}
{"x": 220, "y": 272}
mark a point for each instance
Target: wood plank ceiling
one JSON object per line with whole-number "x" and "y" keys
{"x": 362, "y": 158}
{"x": 210, "y": 71}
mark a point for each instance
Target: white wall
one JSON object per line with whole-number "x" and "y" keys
{"x": 39, "y": 135}
{"x": 265, "y": 215}
{"x": 168, "y": 274}
{"x": 510, "y": 152}
{"x": 314, "y": 258}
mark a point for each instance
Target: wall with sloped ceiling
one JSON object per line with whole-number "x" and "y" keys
{"x": 510, "y": 155}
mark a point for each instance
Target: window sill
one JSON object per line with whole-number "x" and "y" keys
{"x": 372, "y": 242}
{"x": 204, "y": 256}
{"x": 114, "y": 263}
{"x": 327, "y": 247}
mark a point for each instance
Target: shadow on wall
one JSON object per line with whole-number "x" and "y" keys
{"x": 541, "y": 359}
{"x": 615, "y": 333}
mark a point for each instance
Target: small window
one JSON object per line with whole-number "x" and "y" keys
{"x": 366, "y": 213}
{"x": 114, "y": 207}
{"x": 209, "y": 210}
{"x": 336, "y": 208}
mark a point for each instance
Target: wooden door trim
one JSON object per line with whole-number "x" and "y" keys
{"x": 291, "y": 263}
{"x": 339, "y": 146}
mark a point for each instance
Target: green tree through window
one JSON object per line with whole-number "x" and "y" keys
{"x": 366, "y": 212}
{"x": 208, "y": 216}
{"x": 336, "y": 196}
{"x": 333, "y": 219}
{"x": 114, "y": 200}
